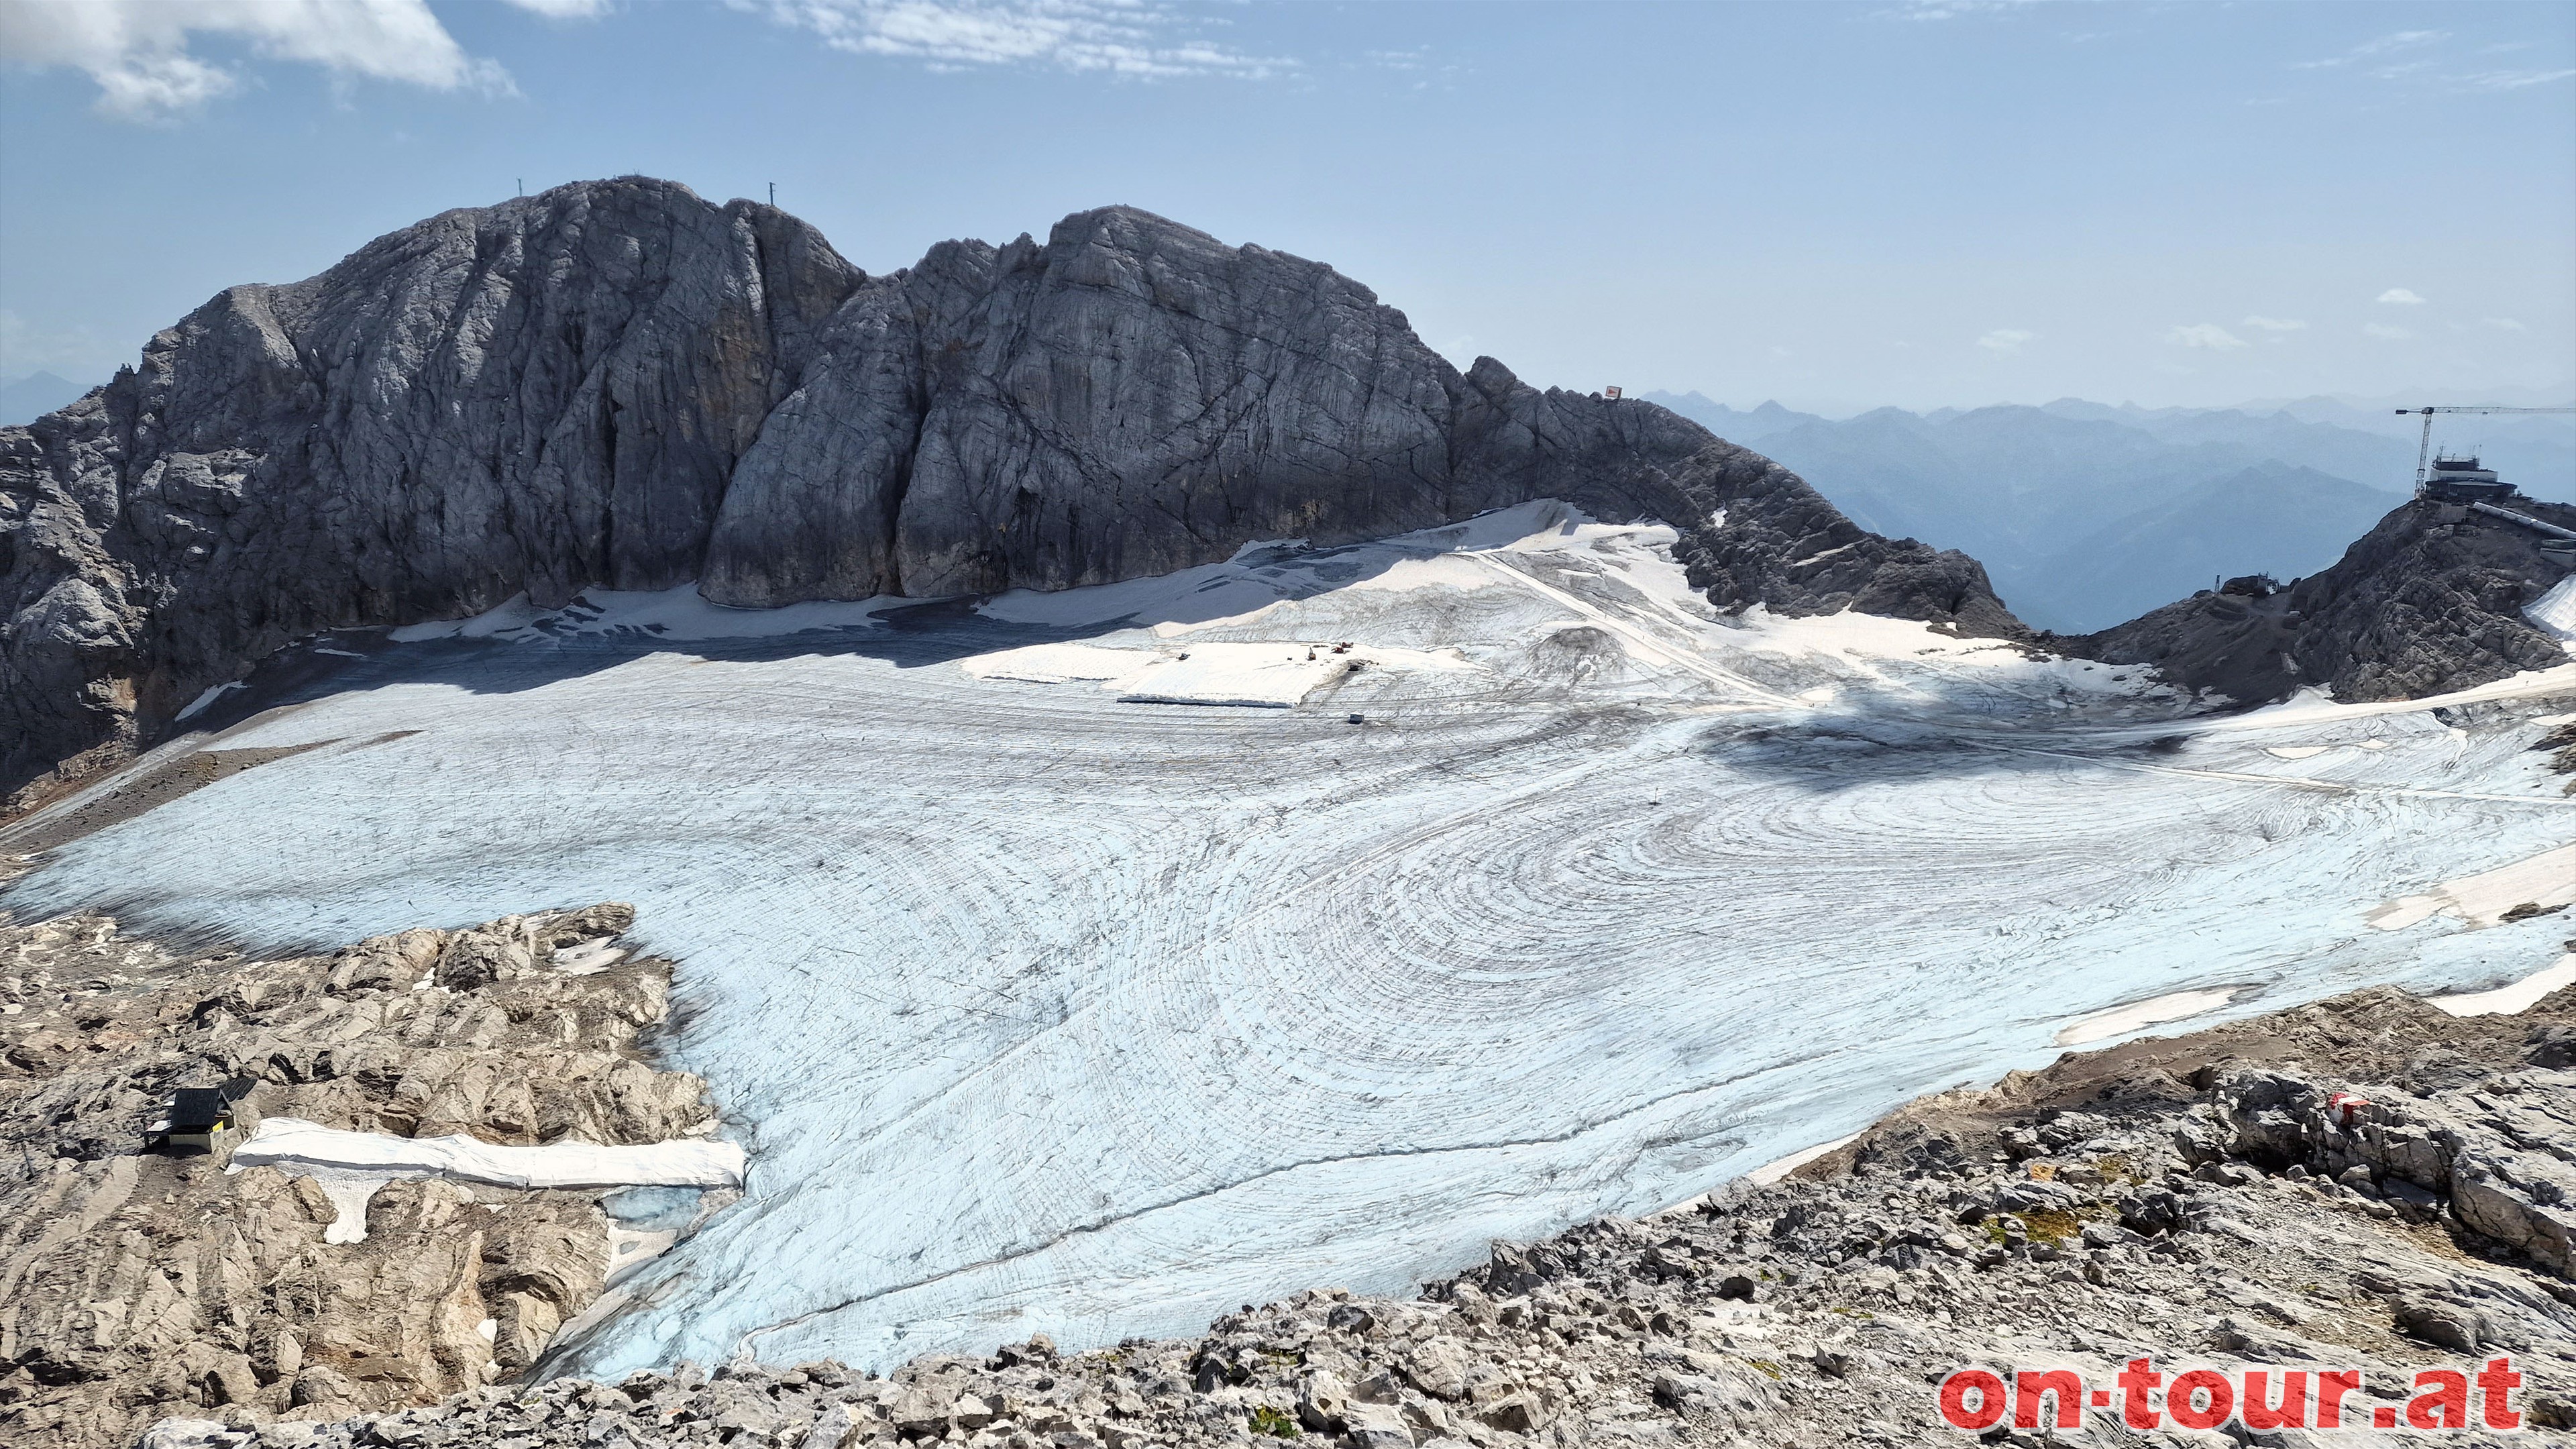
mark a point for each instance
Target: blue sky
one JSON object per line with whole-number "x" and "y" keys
{"x": 1840, "y": 206}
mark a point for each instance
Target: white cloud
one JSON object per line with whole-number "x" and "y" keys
{"x": 2401, "y": 297}
{"x": 2209, "y": 335}
{"x": 2395, "y": 40}
{"x": 1953, "y": 9}
{"x": 2273, "y": 324}
{"x": 2006, "y": 339}
{"x": 138, "y": 50}
{"x": 2506, "y": 324}
{"x": 2509, "y": 80}
{"x": 565, "y": 9}
{"x": 1141, "y": 38}
{"x": 2393, "y": 334}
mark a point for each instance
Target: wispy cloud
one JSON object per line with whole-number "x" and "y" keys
{"x": 2401, "y": 297}
{"x": 1139, "y": 38}
{"x": 138, "y": 51}
{"x": 2394, "y": 41}
{"x": 2506, "y": 324}
{"x": 2006, "y": 339}
{"x": 2373, "y": 59}
{"x": 2273, "y": 324}
{"x": 2206, "y": 334}
{"x": 2392, "y": 334}
{"x": 2508, "y": 80}
{"x": 1953, "y": 9}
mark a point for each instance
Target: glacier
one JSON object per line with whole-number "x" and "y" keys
{"x": 1044, "y": 996}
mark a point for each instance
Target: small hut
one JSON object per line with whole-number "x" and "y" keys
{"x": 199, "y": 1118}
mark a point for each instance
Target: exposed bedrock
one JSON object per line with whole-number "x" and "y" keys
{"x": 2194, "y": 1200}
{"x": 138, "y": 1285}
{"x": 616, "y": 384}
{"x": 2430, "y": 600}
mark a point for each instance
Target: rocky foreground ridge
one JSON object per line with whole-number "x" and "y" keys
{"x": 135, "y": 1287}
{"x": 615, "y": 384}
{"x": 2206, "y": 1199}
{"x": 2198, "y": 1201}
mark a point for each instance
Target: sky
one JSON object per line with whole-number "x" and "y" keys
{"x": 1922, "y": 203}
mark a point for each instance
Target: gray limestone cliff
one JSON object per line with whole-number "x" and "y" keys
{"x": 539, "y": 396}
{"x": 2429, "y": 600}
{"x": 616, "y": 384}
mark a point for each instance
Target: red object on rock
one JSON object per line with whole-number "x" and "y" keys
{"x": 2342, "y": 1105}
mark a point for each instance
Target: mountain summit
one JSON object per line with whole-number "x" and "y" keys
{"x": 617, "y": 384}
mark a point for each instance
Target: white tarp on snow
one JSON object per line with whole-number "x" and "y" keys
{"x": 2555, "y": 611}
{"x": 290, "y": 1143}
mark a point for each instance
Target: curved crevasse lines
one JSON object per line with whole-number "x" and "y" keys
{"x": 1041, "y": 1011}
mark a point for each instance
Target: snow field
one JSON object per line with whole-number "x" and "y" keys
{"x": 1042, "y": 1009}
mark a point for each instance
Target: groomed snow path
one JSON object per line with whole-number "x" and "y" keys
{"x": 1039, "y": 1009}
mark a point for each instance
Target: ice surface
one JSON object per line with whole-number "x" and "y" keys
{"x": 1040, "y": 1010}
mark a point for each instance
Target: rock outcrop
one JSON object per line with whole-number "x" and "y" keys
{"x": 542, "y": 395}
{"x": 135, "y": 1286}
{"x": 2430, "y": 600}
{"x": 2195, "y": 1201}
{"x": 617, "y": 385}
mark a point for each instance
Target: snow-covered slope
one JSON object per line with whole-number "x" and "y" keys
{"x": 1043, "y": 1003}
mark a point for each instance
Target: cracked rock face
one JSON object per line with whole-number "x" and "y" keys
{"x": 617, "y": 385}
{"x": 2416, "y": 606}
{"x": 140, "y": 1287}
{"x": 542, "y": 395}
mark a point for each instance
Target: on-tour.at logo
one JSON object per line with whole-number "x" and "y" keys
{"x": 1978, "y": 1399}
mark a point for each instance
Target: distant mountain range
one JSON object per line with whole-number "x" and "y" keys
{"x": 2087, "y": 515}
{"x": 31, "y": 397}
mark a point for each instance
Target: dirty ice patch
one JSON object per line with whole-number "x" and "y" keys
{"x": 2155, "y": 1011}
{"x": 2545, "y": 883}
{"x": 1266, "y": 674}
{"x": 198, "y": 705}
{"x": 1834, "y": 656}
{"x": 676, "y": 613}
{"x": 2510, "y": 999}
{"x": 1267, "y": 571}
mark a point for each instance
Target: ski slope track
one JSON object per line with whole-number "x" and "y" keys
{"x": 1045, "y": 999}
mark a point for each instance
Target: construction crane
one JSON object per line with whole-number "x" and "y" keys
{"x": 2462, "y": 487}
{"x": 2424, "y": 449}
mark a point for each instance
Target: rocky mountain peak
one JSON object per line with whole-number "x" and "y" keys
{"x": 618, "y": 384}
{"x": 2430, "y": 600}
